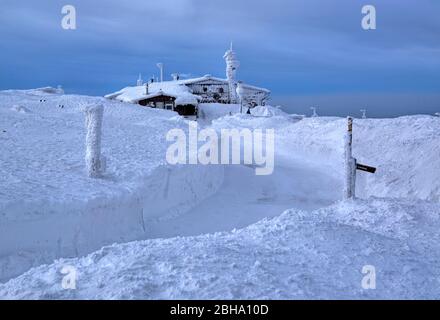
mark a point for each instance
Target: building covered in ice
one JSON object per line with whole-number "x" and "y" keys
{"x": 184, "y": 95}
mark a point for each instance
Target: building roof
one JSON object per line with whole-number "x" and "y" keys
{"x": 201, "y": 79}
{"x": 225, "y": 81}
{"x": 160, "y": 93}
{"x": 170, "y": 88}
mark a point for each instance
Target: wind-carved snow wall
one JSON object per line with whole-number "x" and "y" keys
{"x": 76, "y": 229}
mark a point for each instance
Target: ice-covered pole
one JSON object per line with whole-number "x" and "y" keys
{"x": 160, "y": 65}
{"x": 364, "y": 113}
{"x": 240, "y": 94}
{"x": 94, "y": 163}
{"x": 232, "y": 64}
{"x": 350, "y": 163}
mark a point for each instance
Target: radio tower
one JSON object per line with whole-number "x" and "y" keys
{"x": 232, "y": 64}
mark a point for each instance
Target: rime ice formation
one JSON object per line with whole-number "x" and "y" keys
{"x": 232, "y": 64}
{"x": 94, "y": 163}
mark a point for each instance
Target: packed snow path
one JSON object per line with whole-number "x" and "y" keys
{"x": 245, "y": 198}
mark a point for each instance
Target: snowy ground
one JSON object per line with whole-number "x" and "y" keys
{"x": 49, "y": 208}
{"x": 299, "y": 255}
{"x": 215, "y": 232}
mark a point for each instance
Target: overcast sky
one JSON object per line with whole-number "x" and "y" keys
{"x": 307, "y": 52}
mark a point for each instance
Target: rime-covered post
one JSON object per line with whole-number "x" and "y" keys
{"x": 364, "y": 113}
{"x": 350, "y": 163}
{"x": 139, "y": 81}
{"x": 94, "y": 163}
{"x": 240, "y": 94}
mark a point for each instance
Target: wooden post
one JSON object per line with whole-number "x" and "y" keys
{"x": 350, "y": 163}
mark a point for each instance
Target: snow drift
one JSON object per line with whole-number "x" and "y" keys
{"x": 297, "y": 255}
{"x": 49, "y": 208}
{"x": 404, "y": 149}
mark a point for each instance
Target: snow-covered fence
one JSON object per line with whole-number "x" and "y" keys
{"x": 351, "y": 164}
{"x": 94, "y": 161}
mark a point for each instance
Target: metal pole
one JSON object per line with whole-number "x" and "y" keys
{"x": 160, "y": 65}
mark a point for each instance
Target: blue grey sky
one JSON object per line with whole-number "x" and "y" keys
{"x": 307, "y": 52}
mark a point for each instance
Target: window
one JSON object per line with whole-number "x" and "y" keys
{"x": 221, "y": 90}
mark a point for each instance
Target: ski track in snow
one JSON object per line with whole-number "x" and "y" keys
{"x": 316, "y": 250}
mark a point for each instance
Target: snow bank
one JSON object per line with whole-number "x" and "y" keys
{"x": 173, "y": 88}
{"x": 49, "y": 208}
{"x": 38, "y": 91}
{"x": 267, "y": 111}
{"x": 211, "y": 111}
{"x": 294, "y": 256}
{"x": 72, "y": 229}
{"x": 403, "y": 149}
{"x": 20, "y": 109}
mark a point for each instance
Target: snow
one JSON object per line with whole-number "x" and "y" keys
{"x": 264, "y": 197}
{"x": 208, "y": 232}
{"x": 20, "y": 109}
{"x": 297, "y": 255}
{"x": 95, "y": 162}
{"x": 403, "y": 149}
{"x": 268, "y": 111}
{"x": 48, "y": 199}
{"x": 213, "y": 111}
{"x": 59, "y": 134}
{"x": 171, "y": 88}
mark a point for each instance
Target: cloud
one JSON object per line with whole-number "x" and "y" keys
{"x": 293, "y": 47}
